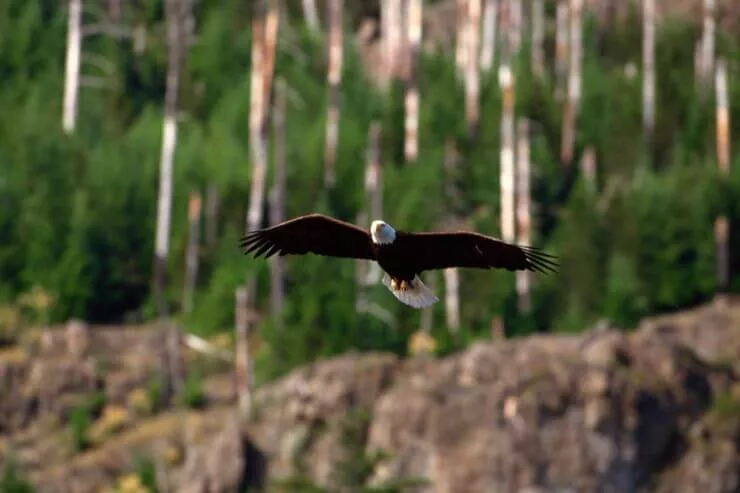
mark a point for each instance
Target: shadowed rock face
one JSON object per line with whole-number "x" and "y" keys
{"x": 654, "y": 410}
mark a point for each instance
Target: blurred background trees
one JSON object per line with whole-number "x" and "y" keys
{"x": 78, "y": 209}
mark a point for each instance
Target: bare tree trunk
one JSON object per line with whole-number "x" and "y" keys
{"x": 516, "y": 25}
{"x": 588, "y": 168}
{"x": 392, "y": 29}
{"x": 426, "y": 319}
{"x": 114, "y": 11}
{"x": 72, "y": 65}
{"x": 311, "y": 15}
{"x": 411, "y": 123}
{"x": 472, "y": 78}
{"x": 461, "y": 41}
{"x": 374, "y": 173}
{"x": 523, "y": 277}
{"x": 721, "y": 225}
{"x": 256, "y": 120}
{"x": 334, "y": 78}
{"x": 212, "y": 208}
{"x": 373, "y": 192}
{"x": 191, "y": 257}
{"x": 707, "y": 46}
{"x": 488, "y": 47}
{"x": 570, "y": 117}
{"x": 264, "y": 34}
{"x": 175, "y": 12}
{"x": 242, "y": 358}
{"x": 361, "y": 268}
{"x": 538, "y": 37}
{"x": 648, "y": 69}
{"x": 506, "y": 81}
{"x": 561, "y": 48}
{"x": 451, "y": 275}
{"x": 272, "y": 24}
{"x": 277, "y": 201}
{"x": 452, "y": 299}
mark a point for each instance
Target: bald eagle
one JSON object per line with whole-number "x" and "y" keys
{"x": 402, "y": 255}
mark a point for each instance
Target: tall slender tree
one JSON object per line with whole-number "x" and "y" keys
{"x": 176, "y": 12}
{"x": 648, "y": 69}
{"x": 72, "y": 65}
{"x": 277, "y": 200}
{"x": 411, "y": 122}
{"x": 488, "y": 42}
{"x": 722, "y": 225}
{"x": 572, "y": 104}
{"x": 523, "y": 213}
{"x": 506, "y": 81}
{"x": 334, "y": 80}
{"x": 472, "y": 75}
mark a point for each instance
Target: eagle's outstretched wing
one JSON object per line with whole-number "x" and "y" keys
{"x": 427, "y": 251}
{"x": 312, "y": 233}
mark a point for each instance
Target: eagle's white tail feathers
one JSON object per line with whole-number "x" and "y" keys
{"x": 418, "y": 295}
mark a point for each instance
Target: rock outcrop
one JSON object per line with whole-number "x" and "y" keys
{"x": 656, "y": 409}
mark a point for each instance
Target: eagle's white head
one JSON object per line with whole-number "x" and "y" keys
{"x": 382, "y": 233}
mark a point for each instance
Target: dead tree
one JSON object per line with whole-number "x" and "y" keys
{"x": 369, "y": 273}
{"x": 648, "y": 69}
{"x": 524, "y": 224}
{"x": 391, "y": 19}
{"x": 212, "y": 214}
{"x": 516, "y": 25}
{"x": 561, "y": 48}
{"x": 588, "y": 168}
{"x": 472, "y": 76}
{"x": 277, "y": 200}
{"x": 72, "y": 65}
{"x": 411, "y": 122}
{"x": 191, "y": 256}
{"x": 706, "y": 57}
{"x": 506, "y": 81}
{"x": 721, "y": 226}
{"x": 426, "y": 318}
{"x": 452, "y": 274}
{"x": 264, "y": 37}
{"x": 311, "y": 15}
{"x": 175, "y": 12}
{"x": 570, "y": 116}
{"x": 334, "y": 79}
{"x": 461, "y": 42}
{"x": 488, "y": 43}
{"x": 373, "y": 194}
{"x": 243, "y": 370}
{"x": 538, "y": 37}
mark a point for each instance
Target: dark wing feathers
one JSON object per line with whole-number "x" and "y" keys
{"x": 427, "y": 251}
{"x": 313, "y": 233}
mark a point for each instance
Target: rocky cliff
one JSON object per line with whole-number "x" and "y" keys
{"x": 655, "y": 409}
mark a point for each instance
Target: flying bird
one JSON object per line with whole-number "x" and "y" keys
{"x": 402, "y": 255}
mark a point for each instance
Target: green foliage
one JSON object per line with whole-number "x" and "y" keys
{"x": 79, "y": 425}
{"x": 81, "y": 418}
{"x": 12, "y": 479}
{"x": 77, "y": 212}
{"x": 146, "y": 469}
{"x": 154, "y": 391}
{"x": 193, "y": 394}
{"x": 355, "y": 466}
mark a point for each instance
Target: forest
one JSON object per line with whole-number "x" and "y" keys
{"x": 79, "y": 209}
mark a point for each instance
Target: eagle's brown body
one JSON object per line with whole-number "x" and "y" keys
{"x": 402, "y": 255}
